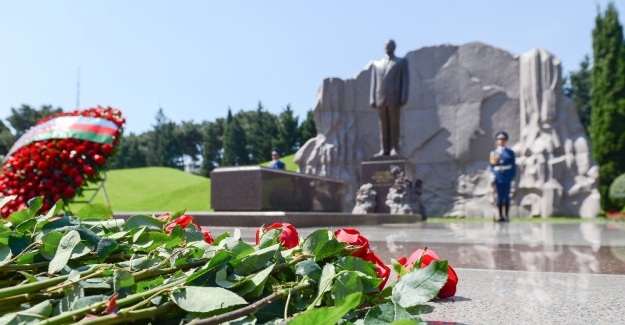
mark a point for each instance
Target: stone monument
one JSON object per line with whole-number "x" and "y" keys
{"x": 459, "y": 97}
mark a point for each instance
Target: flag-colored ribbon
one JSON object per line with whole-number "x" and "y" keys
{"x": 78, "y": 127}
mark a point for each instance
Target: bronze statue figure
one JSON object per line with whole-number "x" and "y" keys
{"x": 389, "y": 92}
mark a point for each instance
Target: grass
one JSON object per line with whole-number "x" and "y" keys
{"x": 158, "y": 189}
{"x": 154, "y": 189}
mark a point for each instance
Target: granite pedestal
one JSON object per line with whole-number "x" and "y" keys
{"x": 377, "y": 171}
{"x": 255, "y": 188}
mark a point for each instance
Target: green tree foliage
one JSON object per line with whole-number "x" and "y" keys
{"x": 308, "y": 130}
{"x": 6, "y": 139}
{"x": 132, "y": 152}
{"x": 578, "y": 89}
{"x": 607, "y": 92}
{"x": 234, "y": 143}
{"x": 25, "y": 117}
{"x": 260, "y": 129}
{"x": 212, "y": 144}
{"x": 163, "y": 146}
{"x": 617, "y": 192}
{"x": 288, "y": 132}
{"x": 190, "y": 137}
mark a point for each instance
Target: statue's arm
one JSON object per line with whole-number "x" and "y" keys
{"x": 405, "y": 81}
{"x": 373, "y": 86}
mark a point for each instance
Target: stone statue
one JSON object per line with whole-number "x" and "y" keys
{"x": 365, "y": 200}
{"x": 389, "y": 92}
{"x": 404, "y": 197}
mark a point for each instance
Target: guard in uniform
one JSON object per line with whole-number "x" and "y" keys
{"x": 504, "y": 169}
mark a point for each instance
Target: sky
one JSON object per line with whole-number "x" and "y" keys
{"x": 196, "y": 59}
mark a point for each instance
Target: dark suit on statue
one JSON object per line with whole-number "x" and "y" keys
{"x": 389, "y": 92}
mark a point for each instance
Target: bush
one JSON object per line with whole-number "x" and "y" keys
{"x": 617, "y": 191}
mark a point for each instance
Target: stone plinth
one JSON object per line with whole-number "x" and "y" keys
{"x": 377, "y": 171}
{"x": 255, "y": 188}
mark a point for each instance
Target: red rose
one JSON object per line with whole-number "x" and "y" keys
{"x": 381, "y": 269}
{"x": 89, "y": 171}
{"x": 449, "y": 289}
{"x": 108, "y": 148}
{"x": 207, "y": 234}
{"x": 353, "y": 238}
{"x": 184, "y": 221}
{"x": 69, "y": 193}
{"x": 99, "y": 159}
{"x": 288, "y": 238}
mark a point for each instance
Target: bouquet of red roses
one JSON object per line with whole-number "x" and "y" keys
{"x": 57, "y": 157}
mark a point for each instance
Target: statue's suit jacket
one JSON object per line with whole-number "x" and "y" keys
{"x": 389, "y": 82}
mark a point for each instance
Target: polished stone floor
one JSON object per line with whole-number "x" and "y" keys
{"x": 517, "y": 272}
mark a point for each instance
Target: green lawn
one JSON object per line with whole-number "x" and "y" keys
{"x": 156, "y": 189}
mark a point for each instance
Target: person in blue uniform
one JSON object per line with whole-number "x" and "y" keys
{"x": 503, "y": 167}
{"x": 275, "y": 162}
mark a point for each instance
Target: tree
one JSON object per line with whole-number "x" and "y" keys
{"x": 190, "y": 137}
{"x": 25, "y": 117}
{"x": 578, "y": 89}
{"x": 234, "y": 143}
{"x": 212, "y": 145}
{"x": 308, "y": 130}
{"x": 6, "y": 139}
{"x": 607, "y": 92}
{"x": 288, "y": 132}
{"x": 132, "y": 152}
{"x": 260, "y": 128}
{"x": 163, "y": 146}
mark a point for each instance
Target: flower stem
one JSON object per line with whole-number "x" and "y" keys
{"x": 124, "y": 316}
{"x": 36, "y": 286}
{"x": 250, "y": 309}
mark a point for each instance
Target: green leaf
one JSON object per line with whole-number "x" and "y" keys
{"x": 144, "y": 286}
{"x": 314, "y": 242}
{"x": 347, "y": 283}
{"x": 390, "y": 313}
{"x": 27, "y": 227}
{"x": 122, "y": 279}
{"x": 328, "y": 315}
{"x": 50, "y": 244}
{"x": 6, "y": 199}
{"x": 138, "y": 221}
{"x": 18, "y": 217}
{"x": 350, "y": 263}
{"x": 221, "y": 237}
{"x": 399, "y": 269}
{"x": 95, "y": 211}
{"x": 106, "y": 246}
{"x": 71, "y": 296}
{"x": 29, "y": 258}
{"x": 321, "y": 244}
{"x": 58, "y": 206}
{"x": 5, "y": 255}
{"x": 28, "y": 277}
{"x": 420, "y": 285}
{"x": 18, "y": 243}
{"x": 269, "y": 238}
{"x": 308, "y": 268}
{"x": 238, "y": 249}
{"x": 34, "y": 205}
{"x": 88, "y": 301}
{"x": 220, "y": 259}
{"x": 254, "y": 287}
{"x": 255, "y": 261}
{"x": 325, "y": 283}
{"x": 175, "y": 238}
{"x": 192, "y": 233}
{"x": 205, "y": 299}
{"x": 64, "y": 251}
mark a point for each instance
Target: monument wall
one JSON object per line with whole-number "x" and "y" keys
{"x": 460, "y": 96}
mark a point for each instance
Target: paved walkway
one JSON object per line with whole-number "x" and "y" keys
{"x": 516, "y": 273}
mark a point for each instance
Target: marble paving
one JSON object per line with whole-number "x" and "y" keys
{"x": 518, "y": 272}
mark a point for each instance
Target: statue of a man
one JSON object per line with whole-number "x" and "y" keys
{"x": 389, "y": 92}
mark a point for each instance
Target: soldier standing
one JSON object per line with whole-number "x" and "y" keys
{"x": 503, "y": 167}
